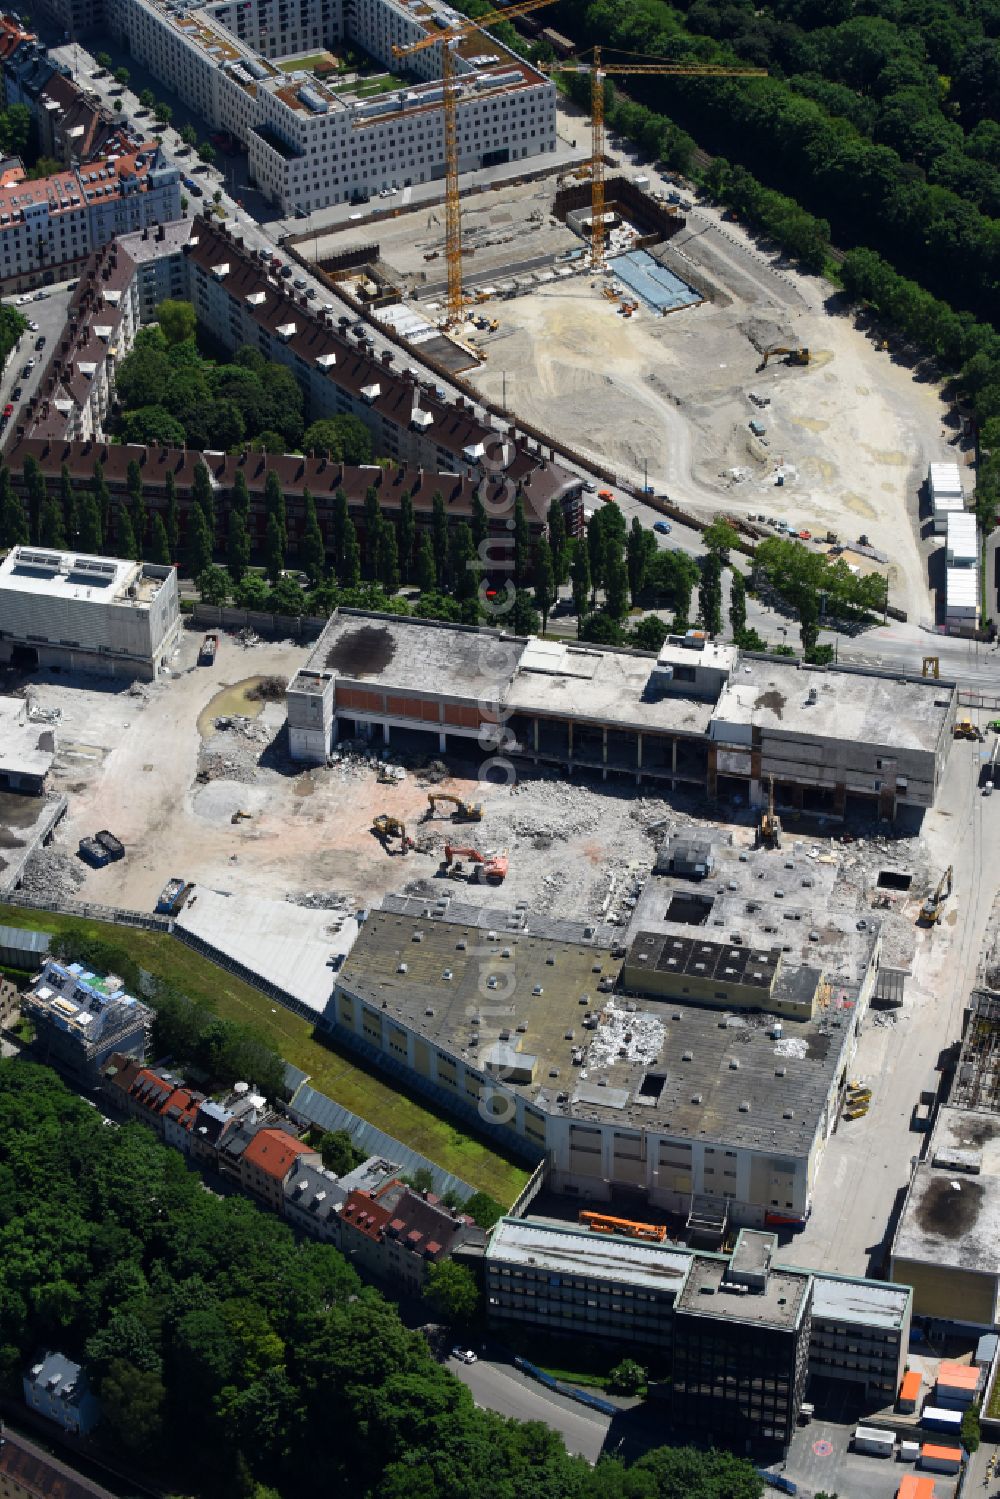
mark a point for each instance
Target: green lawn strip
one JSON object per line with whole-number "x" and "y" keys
{"x": 331, "y": 1071}
{"x": 303, "y": 64}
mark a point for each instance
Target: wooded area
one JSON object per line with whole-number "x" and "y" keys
{"x": 233, "y": 1360}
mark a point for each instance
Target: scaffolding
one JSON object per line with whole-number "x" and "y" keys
{"x": 977, "y": 1077}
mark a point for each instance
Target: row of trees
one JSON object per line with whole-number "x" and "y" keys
{"x": 231, "y": 1358}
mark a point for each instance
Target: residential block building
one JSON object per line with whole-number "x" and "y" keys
{"x": 57, "y": 1388}
{"x": 49, "y": 227}
{"x": 310, "y": 145}
{"x": 82, "y": 1019}
{"x": 269, "y": 1160}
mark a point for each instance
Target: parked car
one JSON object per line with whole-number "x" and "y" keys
{"x": 32, "y": 325}
{"x": 196, "y": 190}
{"x": 16, "y": 393}
{"x": 40, "y": 341}
{"x": 663, "y": 526}
{"x": 464, "y": 1355}
{"x": 8, "y": 410}
{"x": 29, "y": 366}
{"x": 40, "y": 296}
{"x": 285, "y": 271}
{"x": 299, "y": 283}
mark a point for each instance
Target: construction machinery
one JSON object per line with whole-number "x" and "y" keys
{"x": 240, "y": 816}
{"x": 964, "y": 728}
{"x": 931, "y": 667}
{"x": 599, "y": 71}
{"x": 463, "y": 811}
{"x": 769, "y": 823}
{"x": 930, "y": 911}
{"x": 491, "y": 867}
{"x": 449, "y": 37}
{"x": 795, "y": 356}
{"x": 601, "y": 1223}
{"x": 387, "y": 828}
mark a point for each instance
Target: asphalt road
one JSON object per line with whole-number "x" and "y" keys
{"x": 49, "y": 312}
{"x": 499, "y": 1387}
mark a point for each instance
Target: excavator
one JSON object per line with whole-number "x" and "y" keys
{"x": 769, "y": 824}
{"x": 795, "y": 356}
{"x": 464, "y": 811}
{"x": 964, "y": 728}
{"x": 386, "y": 827}
{"x": 487, "y": 866}
{"x": 930, "y": 911}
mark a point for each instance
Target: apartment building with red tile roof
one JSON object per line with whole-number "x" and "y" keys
{"x": 269, "y": 1160}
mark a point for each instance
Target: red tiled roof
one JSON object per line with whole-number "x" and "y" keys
{"x": 274, "y": 1152}
{"x": 365, "y": 1215}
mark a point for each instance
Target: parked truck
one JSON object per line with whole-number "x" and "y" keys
{"x": 209, "y": 646}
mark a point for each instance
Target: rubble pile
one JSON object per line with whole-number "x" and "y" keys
{"x": 52, "y": 873}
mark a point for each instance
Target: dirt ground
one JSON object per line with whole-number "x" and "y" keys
{"x": 667, "y": 398}
{"x": 852, "y": 434}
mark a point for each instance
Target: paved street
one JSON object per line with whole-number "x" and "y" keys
{"x": 502, "y": 1388}
{"x": 49, "y": 312}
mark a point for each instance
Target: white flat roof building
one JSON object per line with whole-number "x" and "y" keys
{"x": 962, "y": 595}
{"x": 309, "y": 144}
{"x": 943, "y": 479}
{"x": 102, "y": 614}
{"x": 962, "y": 547}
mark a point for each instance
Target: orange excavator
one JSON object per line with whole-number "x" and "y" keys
{"x": 487, "y": 866}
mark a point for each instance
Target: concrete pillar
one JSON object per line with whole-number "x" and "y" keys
{"x": 569, "y": 742}
{"x": 673, "y": 755}
{"x": 638, "y": 763}
{"x": 536, "y": 736}
{"x": 385, "y": 733}
{"x": 334, "y": 730}
{"x": 712, "y": 773}
{"x": 840, "y": 800}
{"x": 442, "y": 742}
{"x": 604, "y": 752}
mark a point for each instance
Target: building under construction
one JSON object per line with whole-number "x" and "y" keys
{"x": 698, "y": 715}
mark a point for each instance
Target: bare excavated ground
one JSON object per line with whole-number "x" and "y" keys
{"x": 668, "y": 397}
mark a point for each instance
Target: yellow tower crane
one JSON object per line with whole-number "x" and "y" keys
{"x": 453, "y": 212}
{"x": 598, "y": 71}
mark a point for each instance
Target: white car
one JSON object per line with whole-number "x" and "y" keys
{"x": 464, "y": 1355}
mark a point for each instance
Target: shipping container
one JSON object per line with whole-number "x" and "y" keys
{"x": 909, "y": 1452}
{"x": 909, "y": 1391}
{"x": 936, "y": 1418}
{"x": 875, "y": 1441}
{"x": 937, "y": 1459}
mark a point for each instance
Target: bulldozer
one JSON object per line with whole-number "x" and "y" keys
{"x": 491, "y": 867}
{"x": 930, "y": 911}
{"x": 769, "y": 823}
{"x": 965, "y": 729}
{"x": 386, "y": 828}
{"x": 794, "y": 356}
{"x": 464, "y": 811}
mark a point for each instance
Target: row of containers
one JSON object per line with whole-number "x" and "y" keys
{"x": 932, "y": 1457}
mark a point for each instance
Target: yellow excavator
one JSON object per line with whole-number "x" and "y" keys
{"x": 387, "y": 828}
{"x": 463, "y": 811}
{"x": 930, "y": 911}
{"x": 795, "y": 356}
{"x": 769, "y": 824}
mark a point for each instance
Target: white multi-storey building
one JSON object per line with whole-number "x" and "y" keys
{"x": 310, "y": 145}
{"x": 49, "y": 228}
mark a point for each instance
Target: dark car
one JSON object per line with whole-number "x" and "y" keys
{"x": 198, "y": 192}
{"x": 40, "y": 341}
{"x": 27, "y": 369}
{"x": 286, "y": 271}
{"x": 16, "y": 393}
